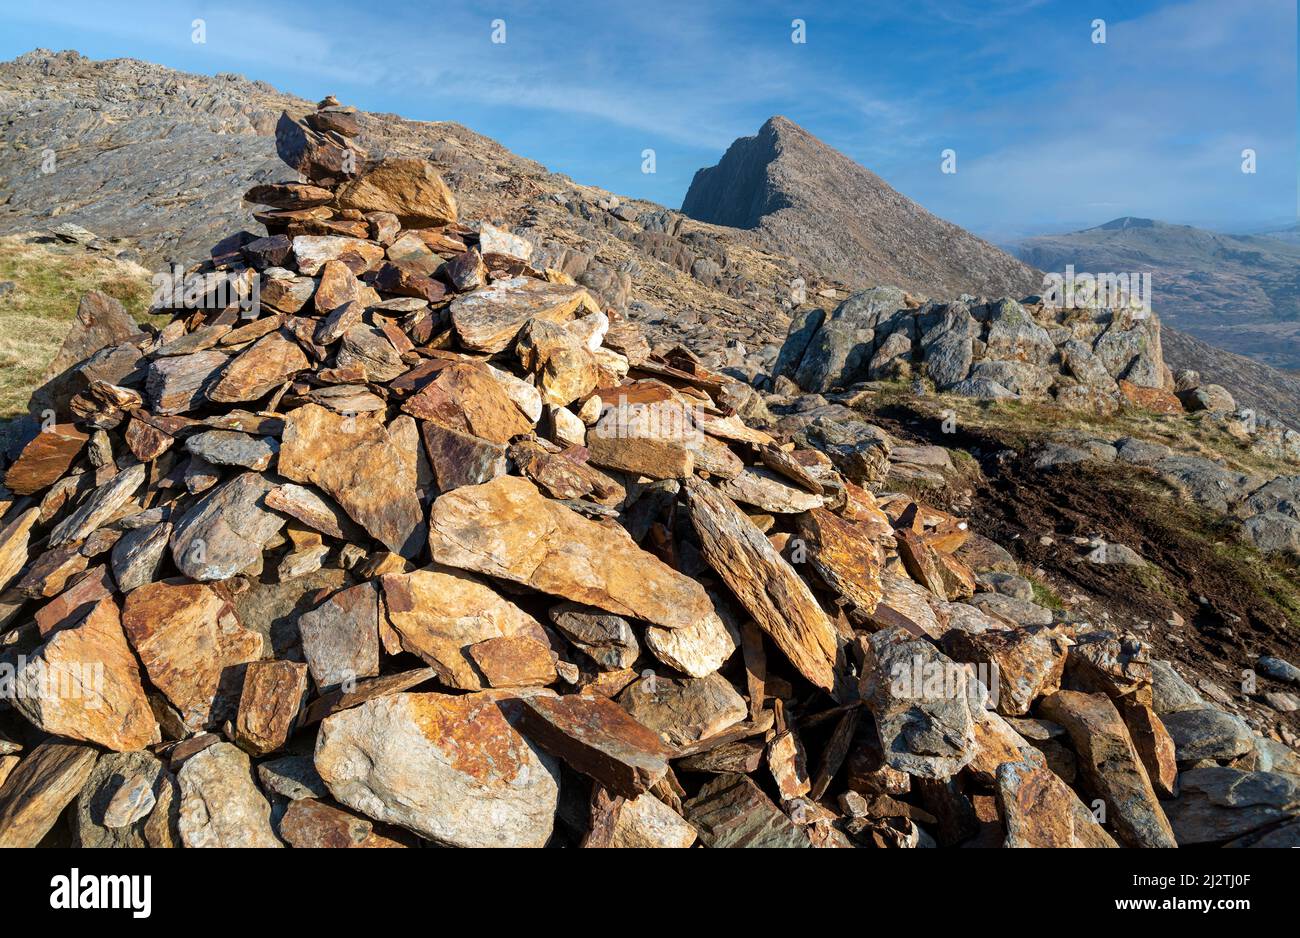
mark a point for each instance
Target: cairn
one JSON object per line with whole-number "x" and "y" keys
{"x": 389, "y": 537}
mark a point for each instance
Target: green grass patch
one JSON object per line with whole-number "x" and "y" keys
{"x": 1044, "y": 595}
{"x": 49, "y": 280}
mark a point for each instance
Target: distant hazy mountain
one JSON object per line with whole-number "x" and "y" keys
{"x": 1287, "y": 233}
{"x": 806, "y": 199}
{"x": 1239, "y": 292}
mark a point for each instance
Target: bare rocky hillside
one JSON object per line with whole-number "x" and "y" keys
{"x": 137, "y": 145}
{"x": 115, "y": 129}
{"x": 806, "y": 199}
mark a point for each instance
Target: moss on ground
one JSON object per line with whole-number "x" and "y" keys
{"x": 1044, "y": 595}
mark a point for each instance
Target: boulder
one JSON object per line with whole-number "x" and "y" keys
{"x": 221, "y": 805}
{"x": 453, "y": 770}
{"x": 508, "y": 530}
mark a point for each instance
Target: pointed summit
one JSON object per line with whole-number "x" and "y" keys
{"x": 805, "y": 198}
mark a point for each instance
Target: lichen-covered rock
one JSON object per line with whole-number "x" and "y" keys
{"x": 507, "y": 529}
{"x": 221, "y": 805}
{"x": 452, "y": 769}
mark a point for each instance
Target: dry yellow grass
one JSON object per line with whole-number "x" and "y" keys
{"x": 49, "y": 279}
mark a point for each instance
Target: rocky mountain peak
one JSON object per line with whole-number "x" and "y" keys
{"x": 806, "y": 199}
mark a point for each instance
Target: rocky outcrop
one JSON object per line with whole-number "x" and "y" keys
{"x": 991, "y": 350}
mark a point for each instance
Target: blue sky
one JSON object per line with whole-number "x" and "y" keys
{"x": 1052, "y": 131}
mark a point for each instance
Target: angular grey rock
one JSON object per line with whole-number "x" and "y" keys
{"x": 1216, "y": 804}
{"x": 1272, "y": 532}
{"x": 1207, "y": 734}
{"x": 227, "y": 531}
{"x": 922, "y": 705}
{"x": 340, "y": 637}
{"x": 1170, "y": 693}
{"x": 1212, "y": 397}
{"x": 1022, "y": 379}
{"x": 894, "y": 342}
{"x": 178, "y": 385}
{"x": 1008, "y": 584}
{"x": 839, "y": 352}
{"x": 731, "y": 811}
{"x": 292, "y": 777}
{"x": 221, "y": 805}
{"x": 229, "y": 448}
{"x": 1080, "y": 361}
{"x": 1013, "y": 335}
{"x": 946, "y": 343}
{"x": 138, "y": 554}
{"x": 1278, "y": 670}
{"x": 1132, "y": 351}
{"x": 1204, "y": 482}
{"x": 802, "y": 329}
{"x": 1281, "y": 495}
{"x": 120, "y": 787}
{"x": 1140, "y": 452}
{"x": 858, "y": 449}
{"x": 98, "y": 507}
{"x": 983, "y": 389}
{"x": 604, "y": 637}
{"x": 1020, "y": 611}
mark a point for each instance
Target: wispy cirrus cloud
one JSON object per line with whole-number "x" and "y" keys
{"x": 1049, "y": 127}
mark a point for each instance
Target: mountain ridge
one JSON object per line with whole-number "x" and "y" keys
{"x": 802, "y": 197}
{"x": 1239, "y": 292}
{"x": 116, "y": 126}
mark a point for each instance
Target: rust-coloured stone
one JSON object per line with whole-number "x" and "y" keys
{"x": 268, "y": 706}
{"x": 45, "y": 459}
{"x": 597, "y": 737}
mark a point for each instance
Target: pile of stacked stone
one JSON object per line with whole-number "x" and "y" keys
{"x": 388, "y": 538}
